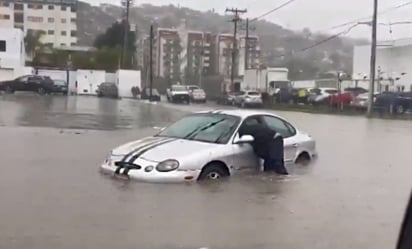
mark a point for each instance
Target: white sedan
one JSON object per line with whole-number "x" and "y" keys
{"x": 204, "y": 146}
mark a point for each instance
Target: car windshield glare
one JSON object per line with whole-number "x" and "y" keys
{"x": 210, "y": 128}
{"x": 179, "y": 88}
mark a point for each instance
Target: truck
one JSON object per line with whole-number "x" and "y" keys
{"x": 269, "y": 80}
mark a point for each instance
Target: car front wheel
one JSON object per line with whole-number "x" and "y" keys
{"x": 9, "y": 89}
{"x": 213, "y": 172}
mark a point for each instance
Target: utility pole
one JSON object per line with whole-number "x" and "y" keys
{"x": 247, "y": 46}
{"x": 151, "y": 61}
{"x": 201, "y": 60}
{"x": 236, "y": 19}
{"x": 126, "y": 3}
{"x": 373, "y": 58}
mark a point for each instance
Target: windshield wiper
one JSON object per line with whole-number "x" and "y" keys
{"x": 225, "y": 133}
{"x": 196, "y": 131}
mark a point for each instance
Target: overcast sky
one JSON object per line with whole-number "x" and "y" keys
{"x": 318, "y": 15}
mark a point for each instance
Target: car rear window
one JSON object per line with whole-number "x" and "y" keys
{"x": 331, "y": 91}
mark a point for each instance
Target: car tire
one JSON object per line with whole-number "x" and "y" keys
{"x": 243, "y": 104}
{"x": 303, "y": 159}
{"x": 400, "y": 109}
{"x": 9, "y": 90}
{"x": 41, "y": 91}
{"x": 213, "y": 172}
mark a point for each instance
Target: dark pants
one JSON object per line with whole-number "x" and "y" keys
{"x": 276, "y": 165}
{"x": 273, "y": 156}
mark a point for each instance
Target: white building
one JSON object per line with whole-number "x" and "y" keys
{"x": 393, "y": 67}
{"x": 12, "y": 53}
{"x": 56, "y": 18}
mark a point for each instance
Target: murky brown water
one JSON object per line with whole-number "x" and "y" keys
{"x": 52, "y": 195}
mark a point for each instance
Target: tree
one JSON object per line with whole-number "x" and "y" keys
{"x": 33, "y": 44}
{"x": 114, "y": 38}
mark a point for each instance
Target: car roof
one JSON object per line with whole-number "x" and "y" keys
{"x": 240, "y": 113}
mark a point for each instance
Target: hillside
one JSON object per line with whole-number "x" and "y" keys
{"x": 280, "y": 47}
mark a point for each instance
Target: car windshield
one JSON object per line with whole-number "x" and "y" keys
{"x": 191, "y": 88}
{"x": 210, "y": 128}
{"x": 179, "y": 88}
{"x": 59, "y": 82}
{"x": 199, "y": 91}
{"x": 253, "y": 94}
{"x": 331, "y": 91}
{"x": 107, "y": 84}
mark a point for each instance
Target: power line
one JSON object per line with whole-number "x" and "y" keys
{"x": 273, "y": 10}
{"x": 369, "y": 17}
{"x": 324, "y": 40}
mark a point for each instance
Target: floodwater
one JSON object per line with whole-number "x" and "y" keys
{"x": 53, "y": 196}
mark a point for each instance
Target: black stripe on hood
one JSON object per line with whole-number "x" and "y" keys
{"x": 149, "y": 142}
{"x": 140, "y": 153}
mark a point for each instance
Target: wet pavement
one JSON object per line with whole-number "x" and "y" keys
{"x": 53, "y": 196}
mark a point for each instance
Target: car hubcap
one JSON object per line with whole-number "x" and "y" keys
{"x": 213, "y": 176}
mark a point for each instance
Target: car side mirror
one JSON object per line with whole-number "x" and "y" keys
{"x": 244, "y": 139}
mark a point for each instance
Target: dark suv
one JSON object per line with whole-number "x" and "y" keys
{"x": 29, "y": 83}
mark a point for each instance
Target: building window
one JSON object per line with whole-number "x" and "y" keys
{"x": 64, "y": 20}
{"x": 18, "y": 18}
{"x": 63, "y": 44}
{"x": 50, "y": 32}
{"x": 18, "y": 6}
{"x": 72, "y": 44}
{"x": 35, "y": 18}
{"x": 4, "y": 17}
{"x": 73, "y": 33}
{"x": 73, "y": 20}
{"x": 50, "y": 19}
{"x": 63, "y": 8}
{"x": 73, "y": 9}
{"x": 2, "y": 46}
{"x": 35, "y": 6}
{"x": 4, "y": 4}
{"x": 50, "y": 45}
{"x": 51, "y": 7}
{"x": 63, "y": 33}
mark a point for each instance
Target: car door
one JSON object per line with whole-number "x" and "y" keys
{"x": 244, "y": 157}
{"x": 21, "y": 83}
{"x": 288, "y": 133}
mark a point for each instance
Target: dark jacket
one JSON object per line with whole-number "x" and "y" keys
{"x": 263, "y": 143}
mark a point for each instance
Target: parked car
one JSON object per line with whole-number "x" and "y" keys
{"x": 29, "y": 83}
{"x": 204, "y": 146}
{"x": 178, "y": 93}
{"x": 227, "y": 98}
{"x": 394, "y": 102}
{"x": 146, "y": 94}
{"x": 198, "y": 96}
{"x": 60, "y": 86}
{"x": 249, "y": 99}
{"x": 108, "y": 89}
{"x": 191, "y": 88}
{"x": 355, "y": 91}
{"x": 361, "y": 101}
{"x": 321, "y": 95}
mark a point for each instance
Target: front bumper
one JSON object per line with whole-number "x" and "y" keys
{"x": 177, "y": 176}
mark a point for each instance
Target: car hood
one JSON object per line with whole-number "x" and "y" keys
{"x": 158, "y": 149}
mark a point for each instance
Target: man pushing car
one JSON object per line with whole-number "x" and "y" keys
{"x": 268, "y": 145}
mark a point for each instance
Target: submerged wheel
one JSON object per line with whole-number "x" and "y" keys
{"x": 303, "y": 159}
{"x": 9, "y": 90}
{"x": 214, "y": 172}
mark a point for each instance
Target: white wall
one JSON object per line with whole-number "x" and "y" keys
{"x": 126, "y": 79}
{"x": 392, "y": 61}
{"x": 89, "y": 80}
{"x": 14, "y": 56}
{"x": 7, "y": 23}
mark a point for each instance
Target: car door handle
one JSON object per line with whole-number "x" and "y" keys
{"x": 295, "y": 145}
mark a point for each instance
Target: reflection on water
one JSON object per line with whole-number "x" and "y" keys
{"x": 81, "y": 112}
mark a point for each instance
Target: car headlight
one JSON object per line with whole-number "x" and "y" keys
{"x": 167, "y": 166}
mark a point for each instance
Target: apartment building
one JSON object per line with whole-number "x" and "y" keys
{"x": 168, "y": 49}
{"x": 55, "y": 18}
{"x": 249, "y": 53}
{"x": 224, "y": 51}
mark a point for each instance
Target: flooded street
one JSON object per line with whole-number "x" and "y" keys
{"x": 53, "y": 196}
